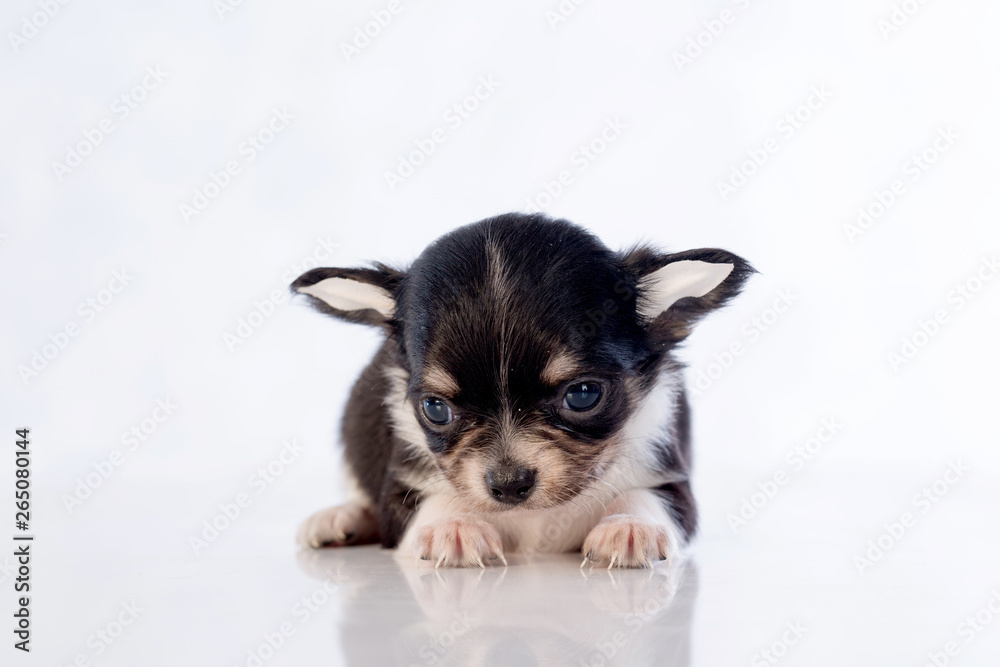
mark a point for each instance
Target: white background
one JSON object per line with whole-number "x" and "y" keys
{"x": 322, "y": 181}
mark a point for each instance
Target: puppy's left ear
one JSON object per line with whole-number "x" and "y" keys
{"x": 677, "y": 290}
{"x": 363, "y": 295}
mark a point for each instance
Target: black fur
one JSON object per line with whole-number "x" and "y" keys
{"x": 679, "y": 501}
{"x": 366, "y": 432}
{"x": 490, "y": 304}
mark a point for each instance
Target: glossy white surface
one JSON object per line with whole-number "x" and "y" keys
{"x": 363, "y": 606}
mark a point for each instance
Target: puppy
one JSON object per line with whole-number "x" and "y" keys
{"x": 526, "y": 397}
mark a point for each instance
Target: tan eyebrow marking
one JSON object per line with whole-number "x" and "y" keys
{"x": 440, "y": 381}
{"x": 561, "y": 367}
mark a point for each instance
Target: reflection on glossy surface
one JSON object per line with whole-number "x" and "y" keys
{"x": 538, "y": 611}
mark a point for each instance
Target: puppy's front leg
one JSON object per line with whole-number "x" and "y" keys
{"x": 351, "y": 523}
{"x": 636, "y": 531}
{"x": 441, "y": 532}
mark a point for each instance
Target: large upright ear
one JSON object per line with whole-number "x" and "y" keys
{"x": 366, "y": 296}
{"x": 675, "y": 291}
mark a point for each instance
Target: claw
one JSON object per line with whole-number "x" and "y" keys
{"x": 500, "y": 556}
{"x": 612, "y": 563}
{"x": 585, "y": 559}
{"x": 480, "y": 561}
{"x": 439, "y": 561}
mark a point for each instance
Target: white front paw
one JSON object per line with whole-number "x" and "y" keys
{"x": 352, "y": 523}
{"x": 459, "y": 543}
{"x": 623, "y": 540}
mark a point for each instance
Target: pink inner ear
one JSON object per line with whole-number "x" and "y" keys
{"x": 347, "y": 295}
{"x": 677, "y": 280}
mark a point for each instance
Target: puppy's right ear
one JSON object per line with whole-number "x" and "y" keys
{"x": 365, "y": 296}
{"x": 677, "y": 290}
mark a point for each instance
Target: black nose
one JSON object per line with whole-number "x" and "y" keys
{"x": 510, "y": 485}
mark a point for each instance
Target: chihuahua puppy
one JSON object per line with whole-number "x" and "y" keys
{"x": 526, "y": 397}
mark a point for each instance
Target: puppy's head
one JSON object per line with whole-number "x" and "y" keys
{"x": 526, "y": 348}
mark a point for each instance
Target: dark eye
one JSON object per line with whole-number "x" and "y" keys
{"x": 436, "y": 411}
{"x": 582, "y": 396}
